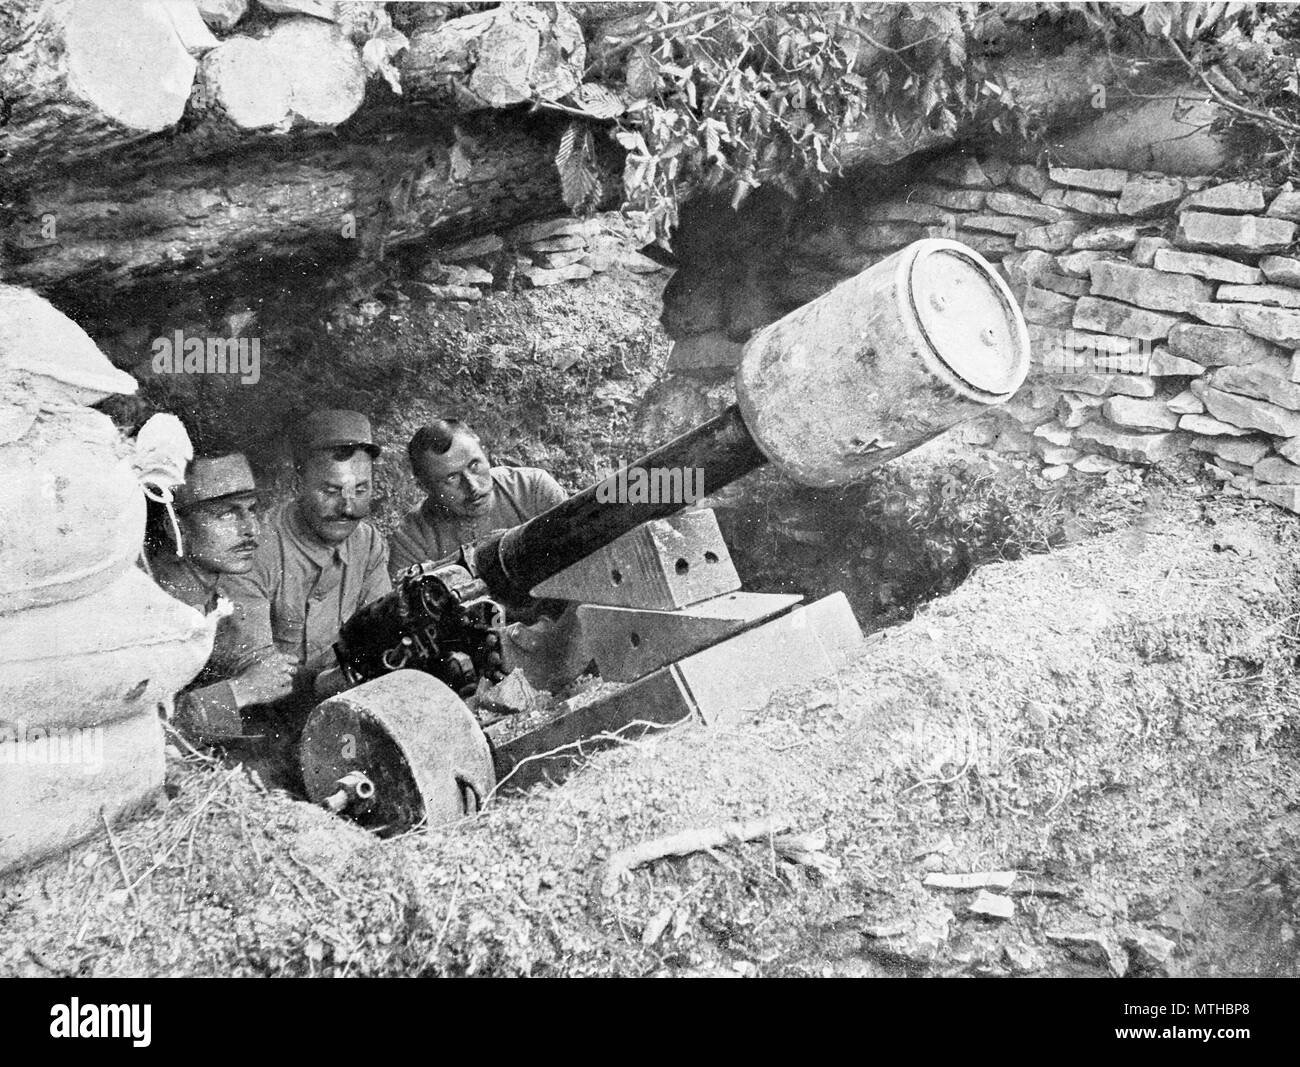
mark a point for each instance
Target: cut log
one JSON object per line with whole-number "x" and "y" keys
{"x": 239, "y": 86}
{"x": 313, "y": 195}
{"x": 320, "y": 9}
{"x": 190, "y": 27}
{"x": 222, "y": 14}
{"x": 506, "y": 55}
{"x": 303, "y": 71}
{"x": 326, "y": 79}
{"x": 79, "y": 77}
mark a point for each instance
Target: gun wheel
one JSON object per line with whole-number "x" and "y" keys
{"x": 413, "y": 738}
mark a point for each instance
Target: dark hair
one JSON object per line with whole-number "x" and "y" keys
{"x": 436, "y": 437}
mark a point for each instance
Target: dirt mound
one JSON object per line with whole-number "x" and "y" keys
{"x": 1113, "y": 721}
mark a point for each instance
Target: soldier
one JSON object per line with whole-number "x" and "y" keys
{"x": 320, "y": 560}
{"x": 467, "y": 498}
{"x": 216, "y": 512}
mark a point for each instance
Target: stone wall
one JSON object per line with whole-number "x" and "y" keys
{"x": 1164, "y": 311}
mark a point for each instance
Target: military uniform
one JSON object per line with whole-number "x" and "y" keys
{"x": 207, "y": 708}
{"x": 433, "y": 532}
{"x": 301, "y": 590}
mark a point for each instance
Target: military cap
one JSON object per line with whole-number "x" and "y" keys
{"x": 333, "y": 429}
{"x": 212, "y": 477}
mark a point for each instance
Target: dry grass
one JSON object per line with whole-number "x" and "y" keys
{"x": 1115, "y": 720}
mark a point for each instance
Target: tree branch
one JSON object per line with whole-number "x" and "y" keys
{"x": 1267, "y": 117}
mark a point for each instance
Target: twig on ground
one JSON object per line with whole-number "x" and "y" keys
{"x": 446, "y": 921}
{"x": 121, "y": 864}
{"x": 621, "y": 863}
{"x": 610, "y": 736}
{"x": 192, "y": 816}
{"x": 315, "y": 874}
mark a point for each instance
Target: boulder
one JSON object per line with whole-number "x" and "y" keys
{"x": 1281, "y": 270}
{"x": 1142, "y": 197}
{"x": 1148, "y": 288}
{"x": 1060, "y": 283}
{"x": 1054, "y": 238}
{"x": 1164, "y": 364}
{"x": 1107, "y": 238}
{"x": 1132, "y": 447}
{"x": 1268, "y": 379}
{"x": 1074, "y": 409}
{"x": 1029, "y": 178}
{"x": 1130, "y": 413}
{"x": 1216, "y": 314}
{"x": 1253, "y": 414}
{"x": 1286, "y": 205}
{"x": 1186, "y": 403}
{"x": 1005, "y": 203}
{"x": 1284, "y": 496}
{"x": 1209, "y": 426}
{"x": 1079, "y": 264}
{"x": 1233, "y": 233}
{"x": 1274, "y": 470}
{"x": 1245, "y": 452}
{"x": 953, "y": 199}
{"x": 1234, "y": 197}
{"x": 1109, "y": 316}
{"x": 1003, "y": 224}
{"x": 1089, "y": 203}
{"x": 1268, "y": 295}
{"x": 1098, "y": 181}
{"x": 1203, "y": 265}
{"x": 1047, "y": 308}
{"x": 1145, "y": 249}
{"x": 1216, "y": 346}
{"x": 1279, "y": 325}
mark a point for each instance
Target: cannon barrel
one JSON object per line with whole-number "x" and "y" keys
{"x": 515, "y": 561}
{"x": 883, "y": 363}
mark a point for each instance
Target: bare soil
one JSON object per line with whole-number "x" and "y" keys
{"x": 1114, "y": 721}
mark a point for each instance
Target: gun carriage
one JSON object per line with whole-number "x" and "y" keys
{"x": 871, "y": 370}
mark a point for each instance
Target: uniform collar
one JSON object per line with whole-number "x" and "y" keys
{"x": 436, "y": 512}
{"x": 183, "y": 572}
{"x": 308, "y": 543}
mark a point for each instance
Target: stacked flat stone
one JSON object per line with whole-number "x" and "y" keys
{"x": 1164, "y": 311}
{"x": 539, "y": 253}
{"x": 461, "y": 273}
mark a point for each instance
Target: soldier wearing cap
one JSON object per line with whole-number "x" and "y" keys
{"x": 468, "y": 498}
{"x": 217, "y": 517}
{"x": 319, "y": 560}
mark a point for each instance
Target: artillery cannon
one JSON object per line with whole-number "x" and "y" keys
{"x": 880, "y": 365}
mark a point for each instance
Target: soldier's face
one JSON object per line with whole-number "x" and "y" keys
{"x": 334, "y": 495}
{"x": 460, "y": 479}
{"x": 221, "y": 535}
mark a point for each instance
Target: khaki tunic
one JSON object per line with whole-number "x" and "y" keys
{"x": 209, "y": 699}
{"x": 433, "y": 533}
{"x": 301, "y": 590}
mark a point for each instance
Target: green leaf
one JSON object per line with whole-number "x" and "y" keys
{"x": 576, "y": 162}
{"x": 596, "y": 101}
